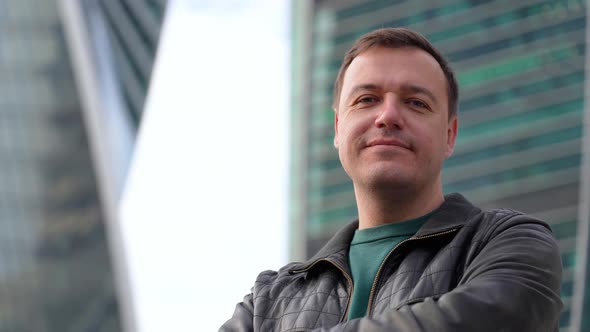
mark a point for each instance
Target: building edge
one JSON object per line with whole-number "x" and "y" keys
{"x": 581, "y": 273}
{"x": 111, "y": 144}
{"x": 301, "y": 23}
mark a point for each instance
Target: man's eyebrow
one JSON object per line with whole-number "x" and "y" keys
{"x": 363, "y": 87}
{"x": 418, "y": 89}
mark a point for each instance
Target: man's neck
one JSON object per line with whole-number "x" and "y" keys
{"x": 379, "y": 208}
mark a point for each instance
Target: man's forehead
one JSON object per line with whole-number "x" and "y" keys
{"x": 388, "y": 55}
{"x": 391, "y": 65}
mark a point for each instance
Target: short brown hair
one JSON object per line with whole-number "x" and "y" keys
{"x": 398, "y": 38}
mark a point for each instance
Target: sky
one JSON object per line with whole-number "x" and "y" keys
{"x": 204, "y": 208}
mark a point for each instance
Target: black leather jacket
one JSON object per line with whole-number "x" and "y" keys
{"x": 464, "y": 270}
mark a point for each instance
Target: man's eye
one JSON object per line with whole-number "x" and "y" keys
{"x": 367, "y": 100}
{"x": 418, "y": 103}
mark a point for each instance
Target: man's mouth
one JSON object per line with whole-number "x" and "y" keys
{"x": 388, "y": 142}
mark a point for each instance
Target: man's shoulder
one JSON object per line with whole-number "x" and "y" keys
{"x": 457, "y": 206}
{"x": 277, "y": 289}
{"x": 273, "y": 278}
{"x": 506, "y": 223}
{"x": 507, "y": 217}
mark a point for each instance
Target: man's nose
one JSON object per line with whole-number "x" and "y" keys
{"x": 390, "y": 114}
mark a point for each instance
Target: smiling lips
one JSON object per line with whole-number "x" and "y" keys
{"x": 388, "y": 142}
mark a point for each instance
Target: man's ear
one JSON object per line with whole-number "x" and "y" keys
{"x": 336, "y": 128}
{"x": 451, "y": 136}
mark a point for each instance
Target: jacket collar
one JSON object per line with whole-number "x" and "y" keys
{"x": 453, "y": 213}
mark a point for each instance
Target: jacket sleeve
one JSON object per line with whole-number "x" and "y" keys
{"x": 512, "y": 284}
{"x": 242, "y": 319}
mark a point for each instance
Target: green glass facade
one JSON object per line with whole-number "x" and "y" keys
{"x": 520, "y": 66}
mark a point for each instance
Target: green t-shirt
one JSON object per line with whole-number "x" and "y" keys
{"x": 367, "y": 251}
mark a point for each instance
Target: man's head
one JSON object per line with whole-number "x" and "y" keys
{"x": 398, "y": 38}
{"x": 395, "y": 104}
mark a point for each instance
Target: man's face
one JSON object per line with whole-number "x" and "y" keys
{"x": 392, "y": 124}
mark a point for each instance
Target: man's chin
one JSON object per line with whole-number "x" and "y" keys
{"x": 388, "y": 180}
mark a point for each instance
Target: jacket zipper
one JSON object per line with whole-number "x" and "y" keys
{"x": 346, "y": 275}
{"x": 374, "y": 286}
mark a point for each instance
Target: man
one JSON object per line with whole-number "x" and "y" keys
{"x": 414, "y": 260}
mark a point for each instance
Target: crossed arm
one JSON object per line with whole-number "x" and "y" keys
{"x": 513, "y": 284}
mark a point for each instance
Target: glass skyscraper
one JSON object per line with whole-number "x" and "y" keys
{"x": 56, "y": 272}
{"x": 520, "y": 66}
{"x": 133, "y": 33}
